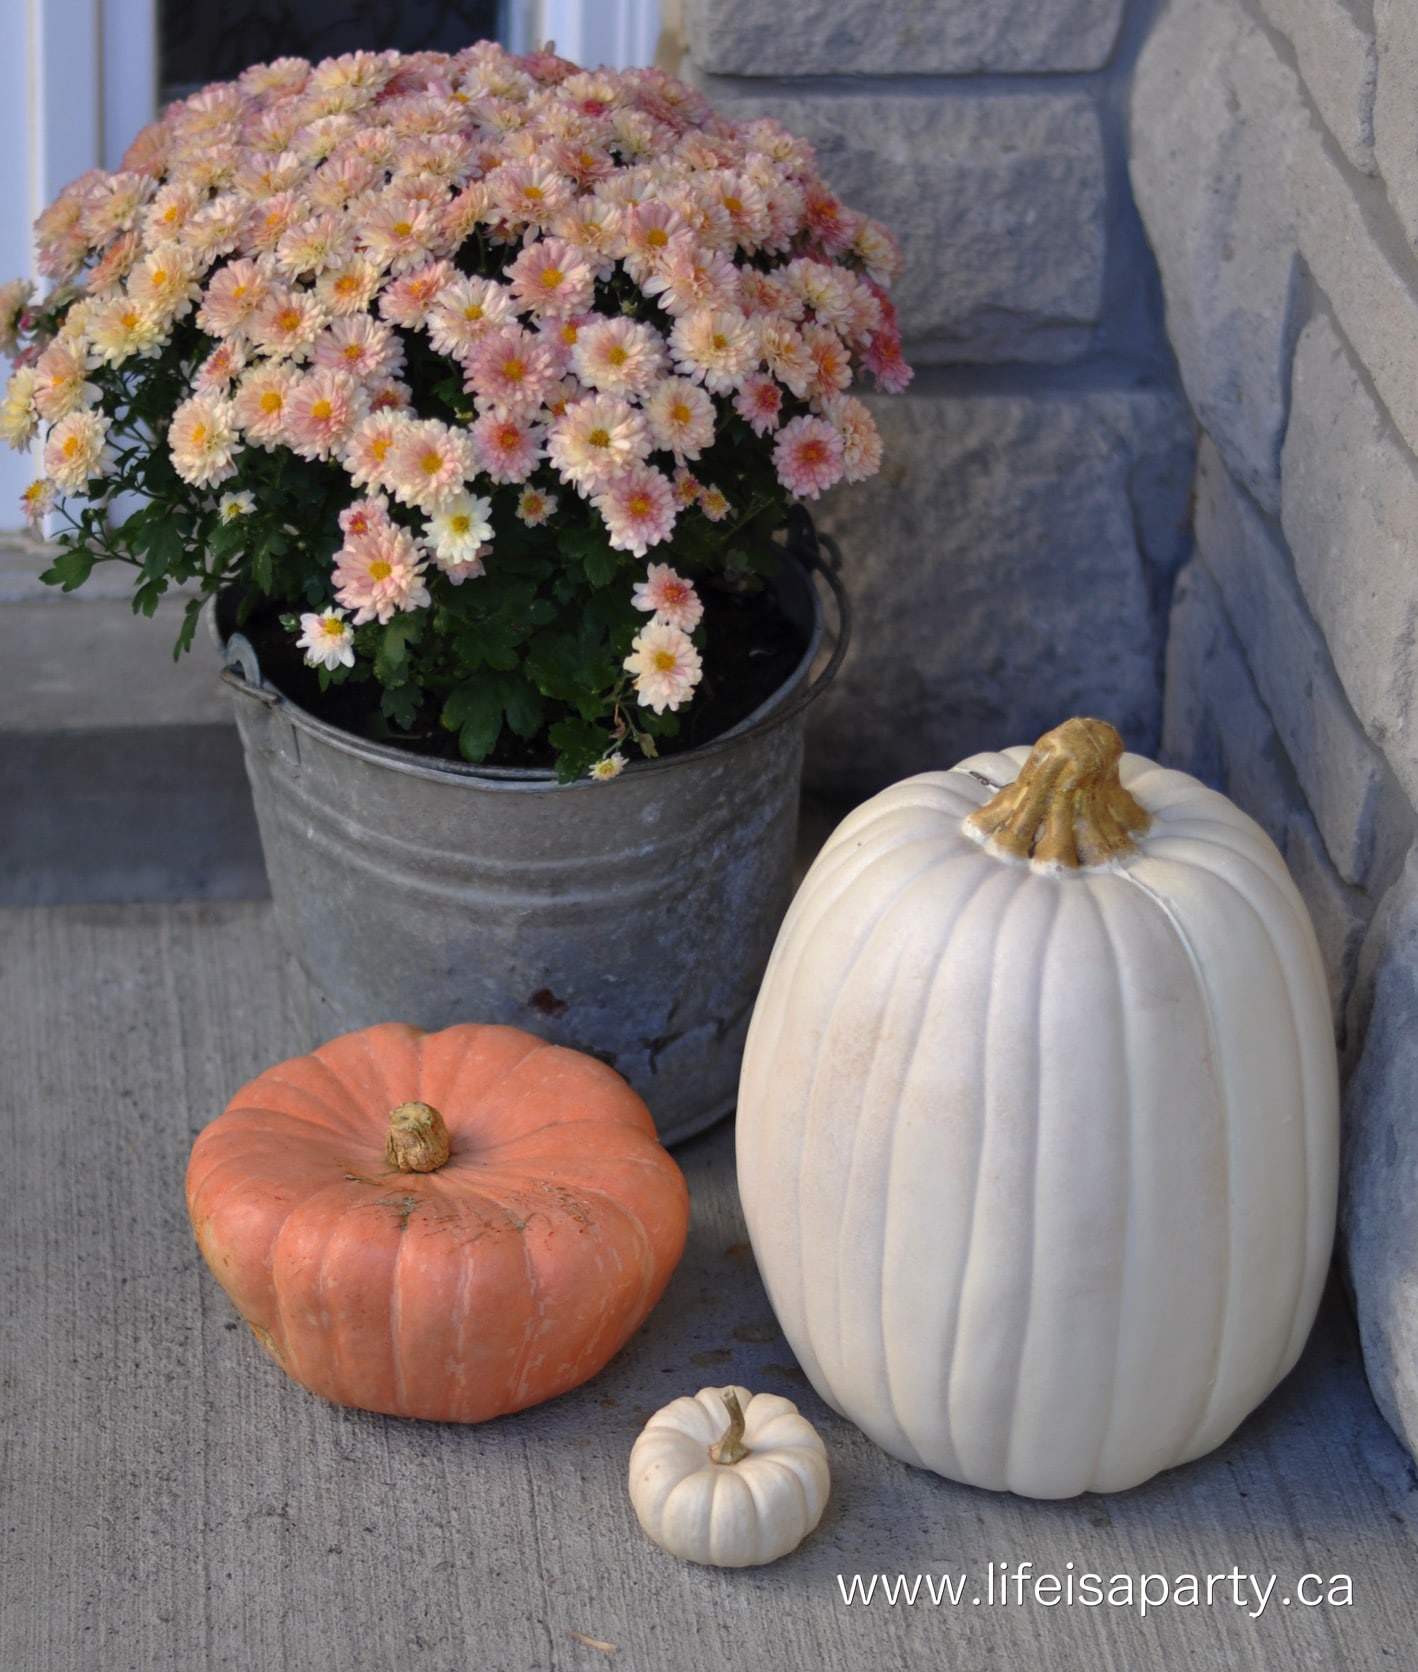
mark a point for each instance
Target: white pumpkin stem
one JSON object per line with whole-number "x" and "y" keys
{"x": 1067, "y": 808}
{"x": 729, "y": 1447}
{"x": 418, "y": 1140}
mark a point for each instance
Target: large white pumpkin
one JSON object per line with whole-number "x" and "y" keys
{"x": 1037, "y": 1131}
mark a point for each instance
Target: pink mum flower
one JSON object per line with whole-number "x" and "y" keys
{"x": 61, "y": 383}
{"x": 713, "y": 502}
{"x": 638, "y": 509}
{"x": 363, "y": 517}
{"x": 535, "y": 506}
{"x": 669, "y": 597}
{"x": 619, "y": 356}
{"x": 464, "y": 310}
{"x": 287, "y": 323}
{"x": 430, "y": 463}
{"x": 759, "y": 403}
{"x": 666, "y": 666}
{"x": 509, "y": 369}
{"x": 232, "y": 296}
{"x": 693, "y": 278}
{"x": 203, "y": 438}
{"x": 321, "y": 410}
{"x": 38, "y": 500}
{"x": 399, "y": 232}
{"x": 259, "y": 405}
{"x": 75, "y": 451}
{"x": 861, "y": 443}
{"x": 596, "y": 439}
{"x": 407, "y": 301}
{"x": 717, "y": 347}
{"x": 370, "y": 451}
{"x": 652, "y": 233}
{"x": 808, "y": 457}
{"x": 508, "y": 447}
{"x": 681, "y": 417}
{"x": 531, "y": 193}
{"x": 349, "y": 286}
{"x": 380, "y": 574}
{"x": 225, "y": 363}
{"x": 365, "y": 348}
{"x": 550, "y": 277}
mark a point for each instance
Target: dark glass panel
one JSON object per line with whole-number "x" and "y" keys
{"x": 201, "y": 42}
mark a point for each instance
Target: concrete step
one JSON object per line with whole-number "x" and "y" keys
{"x": 122, "y": 767}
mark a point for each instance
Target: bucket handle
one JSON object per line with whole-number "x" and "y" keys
{"x": 823, "y": 557}
{"x": 241, "y": 671}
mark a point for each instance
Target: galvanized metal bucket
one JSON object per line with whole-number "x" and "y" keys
{"x": 631, "y": 919}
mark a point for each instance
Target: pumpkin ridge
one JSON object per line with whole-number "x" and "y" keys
{"x": 1039, "y": 972}
{"x": 1110, "y": 940}
{"x": 881, "y": 926}
{"x": 351, "y": 1096}
{"x": 952, "y": 1357}
{"x": 272, "y": 1078}
{"x": 810, "y": 1117}
{"x": 1295, "y": 1337}
{"x": 467, "y": 1112}
{"x": 1212, "y": 1379}
{"x": 283, "y": 1337}
{"x": 799, "y": 930}
{"x": 943, "y": 967}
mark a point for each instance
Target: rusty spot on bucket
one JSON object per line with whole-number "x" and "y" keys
{"x": 546, "y": 1001}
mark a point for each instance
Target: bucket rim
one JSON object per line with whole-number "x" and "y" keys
{"x": 241, "y": 673}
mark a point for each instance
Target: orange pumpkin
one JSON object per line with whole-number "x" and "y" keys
{"x": 444, "y": 1225}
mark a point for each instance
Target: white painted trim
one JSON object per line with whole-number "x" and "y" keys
{"x": 129, "y": 88}
{"x": 620, "y": 34}
{"x": 80, "y": 83}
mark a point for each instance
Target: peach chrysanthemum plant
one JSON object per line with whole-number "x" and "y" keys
{"x": 479, "y": 369}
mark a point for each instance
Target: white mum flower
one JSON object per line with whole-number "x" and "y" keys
{"x": 665, "y": 664}
{"x": 458, "y": 531}
{"x": 232, "y": 506}
{"x": 326, "y": 637}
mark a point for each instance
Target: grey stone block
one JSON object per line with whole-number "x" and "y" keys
{"x": 1339, "y": 770}
{"x": 1216, "y": 122}
{"x": 1334, "y": 45}
{"x": 1339, "y": 913}
{"x": 1005, "y": 568}
{"x": 999, "y": 201}
{"x": 1215, "y": 725}
{"x": 1350, "y": 515}
{"x": 900, "y": 37}
{"x": 1379, "y": 1202}
{"x": 1396, "y": 108}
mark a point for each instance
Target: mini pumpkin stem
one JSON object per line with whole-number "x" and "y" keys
{"x": 418, "y": 1140}
{"x": 1068, "y": 806}
{"x": 729, "y": 1447}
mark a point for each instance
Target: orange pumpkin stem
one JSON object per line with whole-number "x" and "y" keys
{"x": 418, "y": 1140}
{"x": 729, "y": 1447}
{"x": 1067, "y": 808}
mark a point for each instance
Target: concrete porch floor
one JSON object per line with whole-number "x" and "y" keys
{"x": 172, "y": 1504}
{"x": 169, "y": 1503}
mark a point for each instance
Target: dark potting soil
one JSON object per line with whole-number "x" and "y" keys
{"x": 752, "y": 648}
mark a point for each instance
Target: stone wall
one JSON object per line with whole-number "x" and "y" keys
{"x": 1014, "y": 562}
{"x": 1275, "y": 162}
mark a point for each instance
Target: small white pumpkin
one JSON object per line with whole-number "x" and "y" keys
{"x": 729, "y": 1478}
{"x": 1037, "y": 1129}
